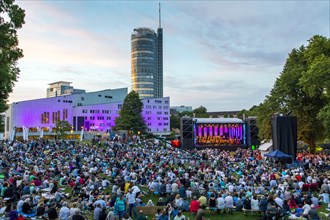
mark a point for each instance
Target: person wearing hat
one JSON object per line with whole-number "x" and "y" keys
{"x": 64, "y": 212}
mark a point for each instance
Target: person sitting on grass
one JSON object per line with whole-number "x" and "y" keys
{"x": 246, "y": 204}
{"x": 180, "y": 216}
{"x": 200, "y": 215}
{"x": 194, "y": 206}
{"x": 272, "y": 211}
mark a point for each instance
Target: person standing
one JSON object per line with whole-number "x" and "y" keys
{"x": 120, "y": 206}
{"x": 131, "y": 203}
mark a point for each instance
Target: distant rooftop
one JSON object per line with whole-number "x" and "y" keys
{"x": 64, "y": 82}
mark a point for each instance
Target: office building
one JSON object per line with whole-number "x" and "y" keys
{"x": 147, "y": 61}
{"x": 62, "y": 88}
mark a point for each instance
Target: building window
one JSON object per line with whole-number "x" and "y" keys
{"x": 165, "y": 118}
{"x": 149, "y": 124}
{"x": 120, "y": 106}
{"x": 165, "y": 113}
{"x": 65, "y": 114}
{"x": 45, "y": 118}
{"x": 159, "y": 113}
{"x": 82, "y": 98}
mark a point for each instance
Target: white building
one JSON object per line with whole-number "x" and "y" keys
{"x": 93, "y": 111}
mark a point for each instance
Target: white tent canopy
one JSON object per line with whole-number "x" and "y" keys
{"x": 265, "y": 146}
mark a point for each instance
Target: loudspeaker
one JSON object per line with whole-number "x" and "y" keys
{"x": 252, "y": 132}
{"x": 284, "y": 132}
{"x": 187, "y": 133}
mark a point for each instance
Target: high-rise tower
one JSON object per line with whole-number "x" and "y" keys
{"x": 147, "y": 61}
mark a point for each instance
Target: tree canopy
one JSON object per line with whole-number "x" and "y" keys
{"x": 303, "y": 90}
{"x": 11, "y": 19}
{"x": 130, "y": 116}
{"x": 62, "y": 127}
{"x": 200, "y": 112}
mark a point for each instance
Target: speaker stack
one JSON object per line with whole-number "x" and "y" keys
{"x": 284, "y": 133}
{"x": 187, "y": 133}
{"x": 252, "y": 132}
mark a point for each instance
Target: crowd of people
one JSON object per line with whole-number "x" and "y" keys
{"x": 64, "y": 180}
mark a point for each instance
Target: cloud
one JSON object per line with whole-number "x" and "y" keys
{"x": 224, "y": 55}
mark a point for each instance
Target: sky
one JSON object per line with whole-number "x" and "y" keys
{"x": 223, "y": 55}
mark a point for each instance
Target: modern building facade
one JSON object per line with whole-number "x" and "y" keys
{"x": 62, "y": 88}
{"x": 147, "y": 62}
{"x": 178, "y": 109}
{"x": 93, "y": 111}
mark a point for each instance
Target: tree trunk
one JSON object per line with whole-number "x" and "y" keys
{"x": 311, "y": 144}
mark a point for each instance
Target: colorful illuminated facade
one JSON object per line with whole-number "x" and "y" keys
{"x": 93, "y": 111}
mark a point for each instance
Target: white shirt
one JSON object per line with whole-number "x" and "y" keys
{"x": 306, "y": 208}
{"x": 130, "y": 198}
{"x": 279, "y": 201}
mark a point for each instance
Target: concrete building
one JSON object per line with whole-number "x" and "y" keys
{"x": 179, "y": 109}
{"x": 93, "y": 111}
{"x": 62, "y": 88}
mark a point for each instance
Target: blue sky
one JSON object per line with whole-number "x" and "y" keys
{"x": 224, "y": 55}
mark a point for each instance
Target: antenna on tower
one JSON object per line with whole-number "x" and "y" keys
{"x": 160, "y": 23}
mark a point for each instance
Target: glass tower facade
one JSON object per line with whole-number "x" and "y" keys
{"x": 145, "y": 63}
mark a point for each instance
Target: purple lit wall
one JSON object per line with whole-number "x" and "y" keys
{"x": 98, "y": 117}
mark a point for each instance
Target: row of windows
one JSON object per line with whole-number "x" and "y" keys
{"x": 159, "y": 124}
{"x": 66, "y": 101}
{"x": 99, "y": 118}
{"x": 101, "y": 124}
{"x": 97, "y": 111}
{"x": 164, "y": 129}
{"x": 155, "y": 107}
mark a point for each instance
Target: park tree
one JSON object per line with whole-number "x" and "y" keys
{"x": 201, "y": 112}
{"x": 62, "y": 127}
{"x": 175, "y": 122}
{"x": 130, "y": 116}
{"x": 302, "y": 89}
{"x": 11, "y": 19}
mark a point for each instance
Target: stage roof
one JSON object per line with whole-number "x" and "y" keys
{"x": 218, "y": 120}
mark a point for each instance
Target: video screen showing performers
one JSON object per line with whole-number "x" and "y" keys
{"x": 218, "y": 134}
